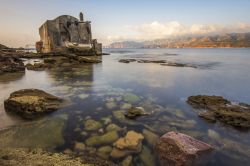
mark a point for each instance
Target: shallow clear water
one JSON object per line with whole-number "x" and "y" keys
{"x": 100, "y": 91}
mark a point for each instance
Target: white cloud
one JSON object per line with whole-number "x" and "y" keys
{"x": 157, "y": 30}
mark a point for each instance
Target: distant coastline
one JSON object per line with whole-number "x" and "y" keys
{"x": 233, "y": 40}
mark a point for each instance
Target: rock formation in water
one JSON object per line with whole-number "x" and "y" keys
{"x": 10, "y": 64}
{"x": 68, "y": 34}
{"x": 32, "y": 103}
{"x": 178, "y": 149}
{"x": 216, "y": 108}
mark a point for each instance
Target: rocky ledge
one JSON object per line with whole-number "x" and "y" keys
{"x": 20, "y": 157}
{"x": 32, "y": 103}
{"x": 181, "y": 150}
{"x": 161, "y": 62}
{"x": 10, "y": 64}
{"x": 216, "y": 108}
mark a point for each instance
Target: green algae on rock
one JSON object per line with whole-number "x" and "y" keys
{"x": 45, "y": 133}
{"x": 146, "y": 156}
{"x": 79, "y": 146}
{"x": 107, "y": 138}
{"x": 104, "y": 152}
{"x": 132, "y": 141}
{"x": 150, "y": 136}
{"x": 127, "y": 161}
{"x": 218, "y": 108}
{"x": 32, "y": 103}
{"x": 92, "y": 125}
{"x": 131, "y": 98}
{"x": 135, "y": 112}
{"x": 113, "y": 127}
{"x": 21, "y": 157}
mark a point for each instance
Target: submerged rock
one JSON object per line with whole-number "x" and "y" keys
{"x": 132, "y": 141}
{"x": 113, "y": 127}
{"x": 104, "y": 152}
{"x": 125, "y": 106}
{"x": 219, "y": 109}
{"x": 45, "y": 133}
{"x": 180, "y": 149}
{"x": 135, "y": 112}
{"x": 131, "y": 98}
{"x": 111, "y": 105}
{"x": 79, "y": 146}
{"x": 147, "y": 157}
{"x": 150, "y": 136}
{"x": 127, "y": 60}
{"x": 107, "y": 138}
{"x": 150, "y": 61}
{"x": 127, "y": 161}
{"x": 92, "y": 125}
{"x": 127, "y": 145}
{"x": 31, "y": 103}
{"x": 174, "y": 64}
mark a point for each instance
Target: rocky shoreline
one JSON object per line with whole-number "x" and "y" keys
{"x": 216, "y": 108}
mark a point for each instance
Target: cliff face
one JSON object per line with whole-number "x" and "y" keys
{"x": 217, "y": 41}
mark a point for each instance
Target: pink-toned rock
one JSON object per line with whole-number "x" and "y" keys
{"x": 177, "y": 149}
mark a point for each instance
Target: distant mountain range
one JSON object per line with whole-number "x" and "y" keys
{"x": 233, "y": 40}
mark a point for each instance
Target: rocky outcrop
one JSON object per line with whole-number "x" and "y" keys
{"x": 93, "y": 59}
{"x": 178, "y": 149}
{"x": 21, "y": 156}
{"x": 174, "y": 64}
{"x": 3, "y": 47}
{"x": 10, "y": 64}
{"x": 161, "y": 62}
{"x": 216, "y": 108}
{"x": 36, "y": 66}
{"x": 127, "y": 60}
{"x": 31, "y": 103}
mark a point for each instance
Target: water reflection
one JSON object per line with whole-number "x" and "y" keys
{"x": 102, "y": 93}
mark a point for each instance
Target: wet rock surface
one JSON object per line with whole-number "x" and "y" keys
{"x": 32, "y": 103}
{"x": 180, "y": 149}
{"x": 161, "y": 62}
{"x": 135, "y": 112}
{"x": 36, "y": 66}
{"x": 216, "y": 108}
{"x": 129, "y": 144}
{"x": 21, "y": 157}
{"x": 10, "y": 64}
{"x": 44, "y": 133}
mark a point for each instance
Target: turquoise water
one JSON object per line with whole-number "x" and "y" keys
{"x": 100, "y": 92}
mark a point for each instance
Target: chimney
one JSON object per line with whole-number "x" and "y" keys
{"x": 81, "y": 17}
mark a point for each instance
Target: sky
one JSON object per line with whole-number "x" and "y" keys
{"x": 119, "y": 20}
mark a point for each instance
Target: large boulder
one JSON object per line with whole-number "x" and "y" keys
{"x": 31, "y": 103}
{"x": 177, "y": 149}
{"x": 216, "y": 108}
{"x": 10, "y": 64}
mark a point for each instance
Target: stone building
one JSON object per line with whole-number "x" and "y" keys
{"x": 68, "y": 34}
